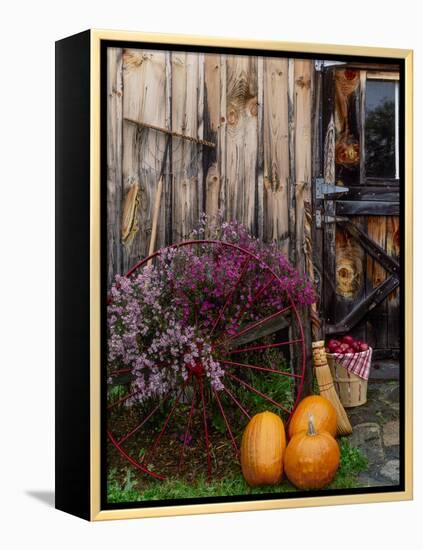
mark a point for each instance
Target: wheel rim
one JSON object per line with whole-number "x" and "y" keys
{"x": 203, "y": 396}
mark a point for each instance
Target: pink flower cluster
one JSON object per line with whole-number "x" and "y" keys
{"x": 162, "y": 320}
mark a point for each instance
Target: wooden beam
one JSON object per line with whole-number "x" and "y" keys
{"x": 372, "y": 248}
{"x": 367, "y": 208}
{"x": 366, "y": 305}
{"x": 390, "y": 193}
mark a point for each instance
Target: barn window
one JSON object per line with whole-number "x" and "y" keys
{"x": 381, "y": 127}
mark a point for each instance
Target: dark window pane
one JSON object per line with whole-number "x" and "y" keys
{"x": 380, "y": 129}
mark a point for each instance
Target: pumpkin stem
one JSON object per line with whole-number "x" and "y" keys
{"x": 311, "y": 428}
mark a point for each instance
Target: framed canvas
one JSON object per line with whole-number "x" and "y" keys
{"x": 233, "y": 275}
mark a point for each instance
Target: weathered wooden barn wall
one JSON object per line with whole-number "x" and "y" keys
{"x": 256, "y": 110}
{"x": 277, "y": 124}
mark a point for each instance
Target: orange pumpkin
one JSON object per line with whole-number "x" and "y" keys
{"x": 262, "y": 449}
{"x": 324, "y": 415}
{"x": 311, "y": 458}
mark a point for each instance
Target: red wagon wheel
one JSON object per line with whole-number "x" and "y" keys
{"x": 242, "y": 331}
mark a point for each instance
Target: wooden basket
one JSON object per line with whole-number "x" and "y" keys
{"x": 352, "y": 389}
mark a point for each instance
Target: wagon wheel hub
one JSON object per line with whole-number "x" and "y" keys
{"x": 196, "y": 368}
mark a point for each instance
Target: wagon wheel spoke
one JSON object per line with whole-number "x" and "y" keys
{"x": 134, "y": 462}
{"x": 206, "y": 429}
{"x": 119, "y": 372}
{"x": 265, "y": 346}
{"x": 256, "y": 367}
{"x": 188, "y": 427}
{"x": 122, "y": 400}
{"x": 231, "y": 293}
{"x": 237, "y": 403}
{"x": 153, "y": 447}
{"x": 146, "y": 419}
{"x": 258, "y": 392}
{"x": 228, "y": 427}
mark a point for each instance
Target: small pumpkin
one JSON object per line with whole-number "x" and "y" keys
{"x": 311, "y": 458}
{"x": 262, "y": 449}
{"x": 324, "y": 415}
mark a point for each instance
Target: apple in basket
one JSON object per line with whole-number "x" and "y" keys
{"x": 346, "y": 344}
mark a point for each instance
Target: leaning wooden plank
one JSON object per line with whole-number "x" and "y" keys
{"x": 114, "y": 162}
{"x": 144, "y": 99}
{"x": 241, "y": 139}
{"x": 276, "y": 152}
{"x": 185, "y": 188}
{"x": 267, "y": 329}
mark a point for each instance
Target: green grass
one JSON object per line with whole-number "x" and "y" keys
{"x": 132, "y": 489}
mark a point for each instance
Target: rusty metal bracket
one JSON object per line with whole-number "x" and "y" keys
{"x": 326, "y": 190}
{"x": 320, "y": 219}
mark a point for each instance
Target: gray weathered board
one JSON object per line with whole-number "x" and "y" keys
{"x": 258, "y": 112}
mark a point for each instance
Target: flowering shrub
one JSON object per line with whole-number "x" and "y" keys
{"x": 164, "y": 320}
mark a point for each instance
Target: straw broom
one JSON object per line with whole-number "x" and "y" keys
{"x": 326, "y": 387}
{"x": 321, "y": 367}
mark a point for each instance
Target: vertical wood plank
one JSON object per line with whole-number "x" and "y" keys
{"x": 144, "y": 99}
{"x": 276, "y": 152}
{"x": 329, "y": 229}
{"x": 260, "y": 149}
{"x": 317, "y": 204}
{"x": 357, "y": 114}
{"x": 302, "y": 108}
{"x": 211, "y": 157}
{"x": 114, "y": 162}
{"x": 200, "y": 132}
{"x": 185, "y": 154}
{"x": 241, "y": 139}
{"x": 168, "y": 216}
{"x": 222, "y": 137}
{"x": 302, "y": 76}
{"x": 350, "y": 265}
{"x": 291, "y": 154}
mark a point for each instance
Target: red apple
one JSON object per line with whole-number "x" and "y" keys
{"x": 333, "y": 342}
{"x": 364, "y": 346}
{"x": 350, "y": 350}
{"x": 347, "y": 340}
{"x": 343, "y": 348}
{"x": 356, "y": 346}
